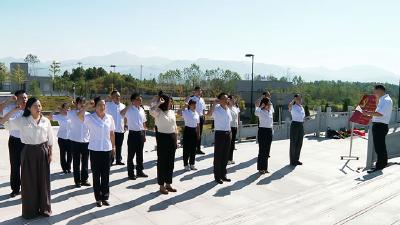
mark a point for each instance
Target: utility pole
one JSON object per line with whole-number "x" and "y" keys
{"x": 141, "y": 72}
{"x": 112, "y": 85}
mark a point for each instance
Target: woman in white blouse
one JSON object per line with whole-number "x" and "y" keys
{"x": 101, "y": 147}
{"x": 264, "y": 111}
{"x": 190, "y": 135}
{"x": 165, "y": 121}
{"x": 235, "y": 111}
{"x": 296, "y": 129}
{"x": 37, "y": 135}
{"x": 63, "y": 139}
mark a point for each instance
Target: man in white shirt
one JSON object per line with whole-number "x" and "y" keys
{"x": 136, "y": 120}
{"x": 200, "y": 108}
{"x": 15, "y": 145}
{"x": 296, "y": 129}
{"x": 222, "y": 141}
{"x": 380, "y": 128}
{"x": 114, "y": 109}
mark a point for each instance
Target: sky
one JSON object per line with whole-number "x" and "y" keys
{"x": 302, "y": 33}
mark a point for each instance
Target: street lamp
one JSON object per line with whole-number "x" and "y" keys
{"x": 112, "y": 85}
{"x": 252, "y": 75}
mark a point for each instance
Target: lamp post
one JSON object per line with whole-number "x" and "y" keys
{"x": 112, "y": 85}
{"x": 252, "y": 76}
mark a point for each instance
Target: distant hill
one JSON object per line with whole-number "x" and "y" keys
{"x": 152, "y": 66}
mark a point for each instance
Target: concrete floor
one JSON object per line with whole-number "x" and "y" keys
{"x": 325, "y": 190}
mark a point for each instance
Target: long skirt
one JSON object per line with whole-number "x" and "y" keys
{"x": 35, "y": 180}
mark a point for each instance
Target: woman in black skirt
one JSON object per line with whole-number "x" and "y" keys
{"x": 190, "y": 135}
{"x": 63, "y": 139}
{"x": 101, "y": 148}
{"x": 165, "y": 121}
{"x": 37, "y": 135}
{"x": 264, "y": 111}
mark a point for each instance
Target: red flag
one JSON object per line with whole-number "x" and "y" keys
{"x": 368, "y": 103}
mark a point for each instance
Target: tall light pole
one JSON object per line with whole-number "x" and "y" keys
{"x": 252, "y": 79}
{"x": 112, "y": 85}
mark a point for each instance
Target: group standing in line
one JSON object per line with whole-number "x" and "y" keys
{"x": 99, "y": 136}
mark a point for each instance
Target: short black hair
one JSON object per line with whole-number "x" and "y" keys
{"x": 114, "y": 92}
{"x": 19, "y": 92}
{"x": 79, "y": 99}
{"x": 64, "y": 105}
{"x": 97, "y": 100}
{"x": 221, "y": 94}
{"x": 167, "y": 99}
{"x": 135, "y": 96}
{"x": 297, "y": 95}
{"x": 264, "y": 101}
{"x": 380, "y": 87}
{"x": 197, "y": 88}
{"x": 160, "y": 93}
{"x": 28, "y": 105}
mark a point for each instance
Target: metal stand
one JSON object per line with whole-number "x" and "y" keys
{"x": 350, "y": 157}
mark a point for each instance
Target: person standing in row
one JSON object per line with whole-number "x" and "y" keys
{"x": 380, "y": 128}
{"x": 264, "y": 111}
{"x": 136, "y": 120}
{"x": 200, "y": 108}
{"x": 37, "y": 135}
{"x": 63, "y": 137}
{"x": 235, "y": 111}
{"x": 15, "y": 145}
{"x": 79, "y": 137}
{"x": 191, "y": 134}
{"x": 165, "y": 121}
{"x": 101, "y": 147}
{"x": 114, "y": 109}
{"x": 222, "y": 141}
{"x": 296, "y": 129}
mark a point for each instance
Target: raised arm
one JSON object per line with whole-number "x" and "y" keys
{"x": 7, "y": 101}
{"x": 123, "y": 112}
{"x": 210, "y": 112}
{"x": 82, "y": 111}
{"x": 7, "y": 117}
{"x": 291, "y": 105}
{"x": 154, "y": 110}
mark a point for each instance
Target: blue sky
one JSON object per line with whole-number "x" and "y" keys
{"x": 304, "y": 33}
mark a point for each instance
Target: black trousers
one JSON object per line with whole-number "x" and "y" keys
{"x": 233, "y": 141}
{"x": 221, "y": 152}
{"x": 189, "y": 145}
{"x": 65, "y": 154}
{"x": 80, "y": 157}
{"x": 379, "y": 132}
{"x": 264, "y": 146}
{"x": 135, "y": 147}
{"x": 119, "y": 140}
{"x": 198, "y": 148}
{"x": 15, "y": 147}
{"x": 296, "y": 141}
{"x": 100, "y": 165}
{"x": 166, "y": 148}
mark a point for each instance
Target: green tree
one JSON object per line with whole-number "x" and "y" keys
{"x": 54, "y": 73}
{"x": 18, "y": 77}
{"x": 192, "y": 75}
{"x": 32, "y": 60}
{"x": 4, "y": 75}
{"x": 34, "y": 88}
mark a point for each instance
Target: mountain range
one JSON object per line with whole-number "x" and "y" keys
{"x": 152, "y": 66}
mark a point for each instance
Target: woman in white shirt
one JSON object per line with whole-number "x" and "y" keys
{"x": 264, "y": 111}
{"x": 296, "y": 129}
{"x": 165, "y": 121}
{"x": 190, "y": 135}
{"x": 79, "y": 137}
{"x": 63, "y": 139}
{"x": 37, "y": 135}
{"x": 235, "y": 111}
{"x": 101, "y": 148}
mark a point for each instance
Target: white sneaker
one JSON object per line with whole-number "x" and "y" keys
{"x": 187, "y": 168}
{"x": 192, "y": 167}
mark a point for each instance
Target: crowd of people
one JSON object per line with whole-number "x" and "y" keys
{"x": 94, "y": 131}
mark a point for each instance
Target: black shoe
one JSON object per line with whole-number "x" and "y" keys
{"x": 85, "y": 183}
{"x": 141, "y": 174}
{"x": 120, "y": 163}
{"x": 14, "y": 193}
{"x": 65, "y": 171}
{"x": 77, "y": 185}
{"x": 373, "y": 170}
{"x": 68, "y": 171}
{"x": 226, "y": 179}
{"x": 299, "y": 163}
{"x": 199, "y": 152}
{"x": 105, "y": 202}
{"x": 132, "y": 177}
{"x": 219, "y": 181}
{"x": 98, "y": 203}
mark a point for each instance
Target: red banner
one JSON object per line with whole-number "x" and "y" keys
{"x": 367, "y": 103}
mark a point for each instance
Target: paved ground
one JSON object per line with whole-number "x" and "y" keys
{"x": 325, "y": 190}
